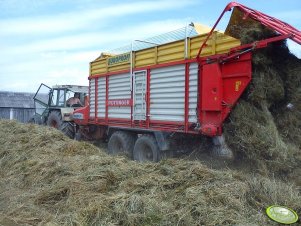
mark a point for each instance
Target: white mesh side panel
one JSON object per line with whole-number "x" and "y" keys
{"x": 193, "y": 74}
{"x": 167, "y": 93}
{"x": 139, "y": 108}
{"x": 92, "y": 98}
{"x": 101, "y": 97}
{"x": 119, "y": 88}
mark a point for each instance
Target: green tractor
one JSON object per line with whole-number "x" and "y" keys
{"x": 53, "y": 106}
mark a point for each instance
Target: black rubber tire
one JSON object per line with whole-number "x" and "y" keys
{"x": 68, "y": 129}
{"x": 146, "y": 149}
{"x": 54, "y": 119}
{"x": 121, "y": 142}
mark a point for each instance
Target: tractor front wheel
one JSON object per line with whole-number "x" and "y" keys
{"x": 68, "y": 129}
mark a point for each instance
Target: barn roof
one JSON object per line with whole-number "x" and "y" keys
{"x": 16, "y": 100}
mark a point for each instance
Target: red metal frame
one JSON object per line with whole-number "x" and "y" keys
{"x": 148, "y": 78}
{"x": 186, "y": 114}
{"x": 132, "y": 97}
{"x": 266, "y": 20}
{"x": 107, "y": 97}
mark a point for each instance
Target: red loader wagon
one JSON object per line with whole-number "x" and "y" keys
{"x": 169, "y": 88}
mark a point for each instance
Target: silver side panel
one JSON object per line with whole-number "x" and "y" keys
{"x": 167, "y": 91}
{"x": 139, "y": 108}
{"x": 92, "y": 98}
{"x": 101, "y": 97}
{"x": 119, "y": 88}
{"x": 193, "y": 74}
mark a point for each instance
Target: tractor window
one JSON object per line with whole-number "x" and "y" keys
{"x": 82, "y": 97}
{"x": 69, "y": 94}
{"x": 61, "y": 98}
{"x": 39, "y": 108}
{"x": 54, "y": 98}
{"x": 42, "y": 94}
{"x": 41, "y": 99}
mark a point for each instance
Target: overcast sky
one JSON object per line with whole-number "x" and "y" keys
{"x": 53, "y": 41}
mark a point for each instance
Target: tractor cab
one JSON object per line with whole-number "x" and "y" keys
{"x": 61, "y": 94}
{"x": 47, "y": 99}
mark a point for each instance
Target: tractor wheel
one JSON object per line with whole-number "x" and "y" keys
{"x": 121, "y": 142}
{"x": 68, "y": 129}
{"x": 146, "y": 149}
{"x": 54, "y": 119}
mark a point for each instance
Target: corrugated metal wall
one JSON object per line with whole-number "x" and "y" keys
{"x": 193, "y": 75}
{"x": 119, "y": 88}
{"x": 5, "y": 113}
{"x": 19, "y": 114}
{"x": 101, "y": 97}
{"x": 167, "y": 93}
{"x": 92, "y": 98}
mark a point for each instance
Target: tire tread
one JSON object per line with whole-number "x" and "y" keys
{"x": 151, "y": 141}
{"x": 126, "y": 138}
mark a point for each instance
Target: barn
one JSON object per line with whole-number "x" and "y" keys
{"x": 16, "y": 105}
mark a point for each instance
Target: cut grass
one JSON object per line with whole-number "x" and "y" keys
{"x": 46, "y": 178}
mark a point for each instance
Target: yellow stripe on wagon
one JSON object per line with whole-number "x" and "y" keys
{"x": 183, "y": 49}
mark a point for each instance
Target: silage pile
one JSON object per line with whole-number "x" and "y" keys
{"x": 48, "y": 179}
{"x": 265, "y": 126}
